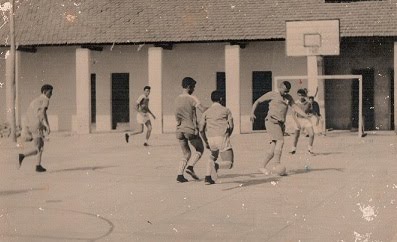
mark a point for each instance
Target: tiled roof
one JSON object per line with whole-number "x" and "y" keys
{"x": 41, "y": 22}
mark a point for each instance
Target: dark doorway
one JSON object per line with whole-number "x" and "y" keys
{"x": 261, "y": 84}
{"x": 391, "y": 95}
{"x": 120, "y": 99}
{"x": 221, "y": 84}
{"x": 368, "y": 99}
{"x": 93, "y": 98}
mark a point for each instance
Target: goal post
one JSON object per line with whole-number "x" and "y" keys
{"x": 276, "y": 80}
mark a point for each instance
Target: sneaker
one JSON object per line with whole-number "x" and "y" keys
{"x": 181, "y": 179}
{"x": 127, "y": 138}
{"x": 208, "y": 180}
{"x": 264, "y": 171}
{"x": 190, "y": 171}
{"x": 145, "y": 144}
{"x": 292, "y": 152}
{"x": 20, "y": 159}
{"x": 39, "y": 168}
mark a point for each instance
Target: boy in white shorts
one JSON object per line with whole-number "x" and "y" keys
{"x": 216, "y": 126}
{"x": 302, "y": 122}
{"x": 36, "y": 125}
{"x": 142, "y": 117}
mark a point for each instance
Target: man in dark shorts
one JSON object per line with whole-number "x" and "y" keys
{"x": 187, "y": 128}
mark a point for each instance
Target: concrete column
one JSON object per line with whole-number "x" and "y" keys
{"x": 232, "y": 71}
{"x": 155, "y": 69}
{"x": 395, "y": 87}
{"x": 10, "y": 75}
{"x": 83, "y": 91}
{"x": 321, "y": 87}
{"x": 17, "y": 102}
{"x": 312, "y": 73}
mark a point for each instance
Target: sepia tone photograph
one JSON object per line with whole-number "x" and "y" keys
{"x": 179, "y": 120}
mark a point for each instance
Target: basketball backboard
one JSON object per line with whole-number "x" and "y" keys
{"x": 312, "y": 38}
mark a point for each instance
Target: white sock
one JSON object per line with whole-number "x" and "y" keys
{"x": 182, "y": 166}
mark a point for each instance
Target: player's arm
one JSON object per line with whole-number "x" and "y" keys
{"x": 263, "y": 98}
{"x": 201, "y": 107}
{"x": 230, "y": 123}
{"x": 138, "y": 103}
{"x": 45, "y": 121}
{"x": 296, "y": 108}
{"x": 202, "y": 125}
{"x": 149, "y": 111}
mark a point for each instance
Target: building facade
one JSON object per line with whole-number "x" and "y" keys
{"x": 97, "y": 81}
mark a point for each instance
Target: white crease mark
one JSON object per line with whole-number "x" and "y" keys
{"x": 369, "y": 213}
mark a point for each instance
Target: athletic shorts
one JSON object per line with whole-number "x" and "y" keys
{"x": 28, "y": 133}
{"x": 142, "y": 118}
{"x": 186, "y": 136}
{"x": 275, "y": 129}
{"x": 301, "y": 123}
{"x": 194, "y": 140}
{"x": 221, "y": 143}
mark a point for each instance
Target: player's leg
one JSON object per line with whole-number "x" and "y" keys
{"x": 198, "y": 145}
{"x": 211, "y": 170}
{"x": 226, "y": 152}
{"x": 183, "y": 142}
{"x": 39, "y": 142}
{"x": 268, "y": 156}
{"x": 296, "y": 137}
{"x": 28, "y": 136}
{"x": 310, "y": 132}
{"x": 275, "y": 132}
{"x": 278, "y": 168}
{"x": 140, "y": 119}
{"x": 227, "y": 157}
{"x": 139, "y": 130}
{"x": 148, "y": 132}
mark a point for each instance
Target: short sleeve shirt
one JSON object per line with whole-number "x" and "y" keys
{"x": 216, "y": 119}
{"x": 185, "y": 113}
{"x": 305, "y": 106}
{"x": 143, "y": 103}
{"x": 35, "y": 111}
{"x": 278, "y": 105}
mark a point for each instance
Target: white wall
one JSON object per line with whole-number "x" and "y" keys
{"x": 3, "y": 116}
{"x": 266, "y": 56}
{"x": 119, "y": 59}
{"x": 199, "y": 61}
{"x": 56, "y": 66}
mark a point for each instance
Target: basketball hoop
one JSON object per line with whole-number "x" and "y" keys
{"x": 312, "y": 38}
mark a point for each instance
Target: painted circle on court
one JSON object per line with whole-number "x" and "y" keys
{"x": 53, "y": 224}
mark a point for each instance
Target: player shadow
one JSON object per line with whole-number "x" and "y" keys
{"x": 250, "y": 182}
{"x": 14, "y": 192}
{"x": 84, "y": 168}
{"x": 327, "y": 153}
{"x": 302, "y": 171}
{"x": 250, "y": 175}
